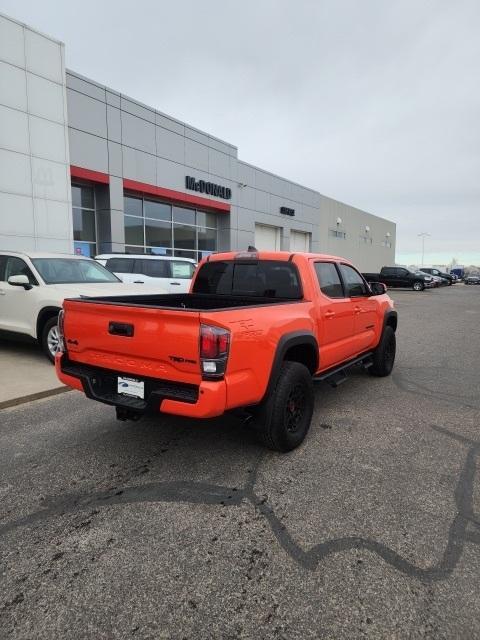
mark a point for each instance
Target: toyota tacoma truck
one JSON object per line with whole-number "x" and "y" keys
{"x": 256, "y": 330}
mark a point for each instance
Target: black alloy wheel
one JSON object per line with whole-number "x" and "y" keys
{"x": 295, "y": 409}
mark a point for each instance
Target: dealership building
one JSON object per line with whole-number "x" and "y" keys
{"x": 85, "y": 169}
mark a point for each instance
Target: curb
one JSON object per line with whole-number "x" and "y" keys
{"x": 33, "y": 396}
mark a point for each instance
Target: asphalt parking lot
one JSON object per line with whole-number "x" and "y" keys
{"x": 171, "y": 529}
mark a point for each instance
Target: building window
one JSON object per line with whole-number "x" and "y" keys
{"x": 152, "y": 226}
{"x": 335, "y": 233}
{"x": 84, "y": 220}
{"x": 366, "y": 239}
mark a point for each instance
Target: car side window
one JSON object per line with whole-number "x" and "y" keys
{"x": 156, "y": 268}
{"x": 3, "y": 264}
{"x": 328, "y": 279}
{"x": 18, "y": 267}
{"x": 182, "y": 270}
{"x": 388, "y": 271}
{"x": 354, "y": 283}
{"x": 120, "y": 265}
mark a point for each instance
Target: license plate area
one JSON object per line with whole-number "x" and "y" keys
{"x": 131, "y": 387}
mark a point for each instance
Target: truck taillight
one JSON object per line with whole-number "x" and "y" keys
{"x": 214, "y": 346}
{"x": 61, "y": 330}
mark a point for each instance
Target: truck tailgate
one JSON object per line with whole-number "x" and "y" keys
{"x": 158, "y": 343}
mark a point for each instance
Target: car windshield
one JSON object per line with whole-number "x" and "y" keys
{"x": 72, "y": 270}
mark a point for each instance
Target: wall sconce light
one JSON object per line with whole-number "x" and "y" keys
{"x": 242, "y": 185}
{"x": 367, "y": 228}
{"x": 339, "y": 222}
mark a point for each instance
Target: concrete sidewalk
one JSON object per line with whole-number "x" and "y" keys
{"x": 25, "y": 374}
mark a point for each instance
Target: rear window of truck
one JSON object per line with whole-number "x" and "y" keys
{"x": 265, "y": 278}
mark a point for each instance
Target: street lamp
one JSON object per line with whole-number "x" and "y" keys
{"x": 423, "y": 235}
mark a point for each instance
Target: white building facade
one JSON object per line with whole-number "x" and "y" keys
{"x": 86, "y": 169}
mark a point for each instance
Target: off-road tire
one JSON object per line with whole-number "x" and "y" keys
{"x": 384, "y": 354}
{"x": 50, "y": 324}
{"x": 418, "y": 286}
{"x": 283, "y": 420}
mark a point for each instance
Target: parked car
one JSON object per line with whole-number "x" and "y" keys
{"x": 33, "y": 287}
{"x": 256, "y": 331}
{"x": 401, "y": 277}
{"x": 472, "y": 279}
{"x": 170, "y": 273}
{"x": 450, "y": 278}
{"x": 437, "y": 280}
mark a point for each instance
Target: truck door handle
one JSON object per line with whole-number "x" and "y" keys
{"x": 329, "y": 314}
{"x": 138, "y": 282}
{"x": 357, "y": 309}
{"x": 177, "y": 283}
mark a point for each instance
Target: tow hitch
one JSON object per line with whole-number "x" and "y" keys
{"x": 124, "y": 414}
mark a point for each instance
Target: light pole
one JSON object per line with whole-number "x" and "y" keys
{"x": 423, "y": 236}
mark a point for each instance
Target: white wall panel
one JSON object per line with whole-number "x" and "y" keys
{"x": 47, "y": 139}
{"x": 138, "y": 133}
{"x": 88, "y": 151}
{"x": 17, "y": 243}
{"x": 196, "y": 155}
{"x": 16, "y": 214}
{"x": 170, "y": 174}
{"x": 13, "y": 130}
{"x": 86, "y": 113}
{"x": 15, "y": 174}
{"x": 45, "y": 98}
{"x": 34, "y": 158}
{"x": 139, "y": 166}
{"x": 170, "y": 145}
{"x": 50, "y": 180}
{"x": 11, "y": 42}
{"x": 13, "y": 90}
{"x": 53, "y": 245}
{"x": 44, "y": 56}
{"x": 218, "y": 163}
{"x": 53, "y": 219}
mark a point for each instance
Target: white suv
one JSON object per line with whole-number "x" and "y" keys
{"x": 172, "y": 274}
{"x": 33, "y": 287}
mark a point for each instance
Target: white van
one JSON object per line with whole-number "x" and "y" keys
{"x": 171, "y": 274}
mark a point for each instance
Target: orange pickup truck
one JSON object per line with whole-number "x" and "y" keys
{"x": 255, "y": 331}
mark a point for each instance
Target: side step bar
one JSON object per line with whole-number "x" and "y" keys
{"x": 337, "y": 375}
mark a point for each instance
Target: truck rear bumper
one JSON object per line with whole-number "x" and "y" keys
{"x": 206, "y": 400}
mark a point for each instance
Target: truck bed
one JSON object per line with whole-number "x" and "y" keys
{"x": 187, "y": 301}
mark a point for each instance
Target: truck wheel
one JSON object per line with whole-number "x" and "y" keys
{"x": 50, "y": 338}
{"x": 418, "y": 286}
{"x": 384, "y": 354}
{"x": 283, "y": 420}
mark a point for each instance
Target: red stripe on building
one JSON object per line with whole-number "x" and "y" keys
{"x": 88, "y": 174}
{"x": 175, "y": 196}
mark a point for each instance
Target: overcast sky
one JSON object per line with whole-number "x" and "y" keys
{"x": 373, "y": 102}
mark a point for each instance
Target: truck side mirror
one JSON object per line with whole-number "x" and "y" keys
{"x": 378, "y": 288}
{"x": 20, "y": 281}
